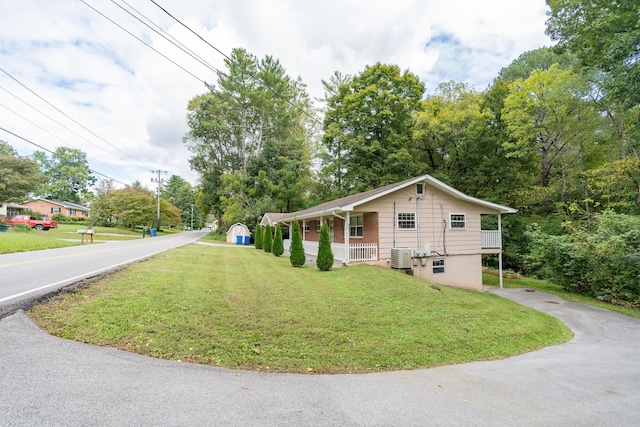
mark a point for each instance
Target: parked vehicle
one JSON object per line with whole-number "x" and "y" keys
{"x": 38, "y": 224}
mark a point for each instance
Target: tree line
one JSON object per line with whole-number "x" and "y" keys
{"x": 556, "y": 134}
{"x": 64, "y": 176}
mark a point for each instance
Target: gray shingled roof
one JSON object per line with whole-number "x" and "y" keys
{"x": 349, "y": 202}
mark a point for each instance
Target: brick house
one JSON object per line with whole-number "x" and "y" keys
{"x": 420, "y": 225}
{"x": 48, "y": 208}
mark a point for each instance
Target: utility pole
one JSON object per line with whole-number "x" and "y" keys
{"x": 160, "y": 181}
{"x": 191, "y": 216}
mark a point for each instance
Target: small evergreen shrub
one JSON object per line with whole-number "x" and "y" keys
{"x": 297, "y": 256}
{"x": 267, "y": 239}
{"x": 257, "y": 241}
{"x": 278, "y": 246}
{"x": 325, "y": 255}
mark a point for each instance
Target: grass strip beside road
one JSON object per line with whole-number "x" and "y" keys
{"x": 14, "y": 241}
{"x": 65, "y": 235}
{"x": 247, "y": 309}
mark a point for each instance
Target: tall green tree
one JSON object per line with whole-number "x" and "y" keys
{"x": 19, "y": 176}
{"x": 68, "y": 173}
{"x": 183, "y": 195}
{"x": 297, "y": 257}
{"x": 552, "y": 124}
{"x": 604, "y": 35}
{"x": 368, "y": 128}
{"x": 446, "y": 131}
{"x": 251, "y": 128}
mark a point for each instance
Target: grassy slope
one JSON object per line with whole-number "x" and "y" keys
{"x": 243, "y": 308}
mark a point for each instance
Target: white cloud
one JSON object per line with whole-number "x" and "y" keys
{"x": 134, "y": 99}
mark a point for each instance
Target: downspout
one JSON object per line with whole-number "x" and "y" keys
{"x": 418, "y": 220}
{"x": 345, "y": 231}
{"x": 500, "y": 254}
{"x": 394, "y": 224}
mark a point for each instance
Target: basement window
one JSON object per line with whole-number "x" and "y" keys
{"x": 438, "y": 266}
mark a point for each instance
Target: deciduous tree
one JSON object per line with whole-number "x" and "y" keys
{"x": 604, "y": 35}
{"x": 19, "y": 176}
{"x": 68, "y": 173}
{"x": 368, "y": 128}
{"x": 551, "y": 122}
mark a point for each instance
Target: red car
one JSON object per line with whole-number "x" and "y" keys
{"x": 38, "y": 224}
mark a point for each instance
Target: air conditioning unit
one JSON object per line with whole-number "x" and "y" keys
{"x": 401, "y": 258}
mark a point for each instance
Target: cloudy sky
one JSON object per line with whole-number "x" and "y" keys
{"x": 70, "y": 75}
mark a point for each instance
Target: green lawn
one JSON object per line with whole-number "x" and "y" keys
{"x": 558, "y": 290}
{"x": 13, "y": 241}
{"x": 64, "y": 235}
{"x": 243, "y": 308}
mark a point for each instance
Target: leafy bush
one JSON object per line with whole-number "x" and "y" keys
{"x": 600, "y": 258}
{"x": 62, "y": 219}
{"x": 23, "y": 228}
{"x": 267, "y": 239}
{"x": 257, "y": 241}
{"x": 325, "y": 255}
{"x": 278, "y": 246}
{"x": 297, "y": 258}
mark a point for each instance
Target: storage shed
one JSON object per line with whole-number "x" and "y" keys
{"x": 239, "y": 234}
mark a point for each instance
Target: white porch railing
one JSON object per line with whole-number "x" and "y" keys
{"x": 491, "y": 239}
{"x": 363, "y": 252}
{"x": 358, "y": 252}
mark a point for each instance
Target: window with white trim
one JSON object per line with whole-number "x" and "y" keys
{"x": 457, "y": 221}
{"x": 306, "y": 226}
{"x": 318, "y": 226}
{"x": 420, "y": 189}
{"x": 72, "y": 212}
{"x": 438, "y": 266}
{"x": 55, "y": 210}
{"x": 406, "y": 220}
{"x": 356, "y": 226}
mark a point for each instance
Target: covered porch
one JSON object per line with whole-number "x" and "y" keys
{"x": 357, "y": 252}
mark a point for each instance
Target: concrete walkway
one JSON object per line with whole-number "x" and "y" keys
{"x": 593, "y": 380}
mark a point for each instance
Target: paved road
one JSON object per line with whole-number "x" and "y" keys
{"x": 593, "y": 380}
{"x": 25, "y": 276}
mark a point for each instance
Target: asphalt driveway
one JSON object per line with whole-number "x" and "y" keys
{"x": 593, "y": 380}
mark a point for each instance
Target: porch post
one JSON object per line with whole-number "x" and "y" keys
{"x": 346, "y": 238}
{"x": 500, "y": 254}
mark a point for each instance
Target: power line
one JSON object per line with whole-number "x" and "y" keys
{"x": 52, "y": 152}
{"x": 256, "y": 78}
{"x": 50, "y": 133}
{"x": 66, "y": 115}
{"x": 164, "y": 34}
{"x": 143, "y": 42}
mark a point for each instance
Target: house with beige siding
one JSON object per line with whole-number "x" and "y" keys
{"x": 48, "y": 208}
{"x": 421, "y": 226}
